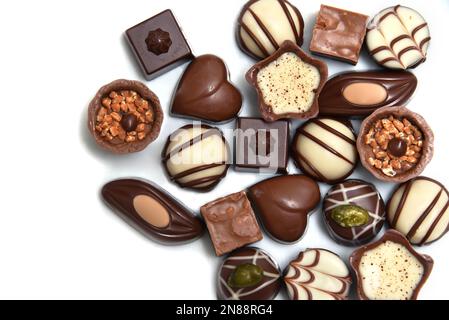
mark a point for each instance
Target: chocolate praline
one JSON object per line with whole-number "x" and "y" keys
{"x": 419, "y": 209}
{"x": 185, "y": 157}
{"x": 325, "y": 149}
{"x": 354, "y": 212}
{"x": 154, "y": 104}
{"x": 152, "y": 211}
{"x": 266, "y": 277}
{"x": 390, "y": 269}
{"x": 422, "y": 140}
{"x": 263, "y": 25}
{"x": 288, "y": 83}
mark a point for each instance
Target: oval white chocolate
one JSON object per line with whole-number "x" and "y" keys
{"x": 151, "y": 211}
{"x": 288, "y": 84}
{"x": 425, "y": 209}
{"x": 329, "y": 165}
{"x": 365, "y": 93}
{"x": 390, "y": 272}
{"x": 272, "y": 20}
{"x": 210, "y": 150}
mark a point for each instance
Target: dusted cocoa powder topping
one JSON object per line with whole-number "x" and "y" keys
{"x": 124, "y": 117}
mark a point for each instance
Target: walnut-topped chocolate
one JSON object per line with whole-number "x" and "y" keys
{"x": 125, "y": 116}
{"x": 395, "y": 144}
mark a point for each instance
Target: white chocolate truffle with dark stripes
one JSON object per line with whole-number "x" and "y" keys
{"x": 419, "y": 209}
{"x": 196, "y": 157}
{"x": 398, "y": 38}
{"x": 264, "y": 25}
{"x": 325, "y": 149}
{"x": 317, "y": 274}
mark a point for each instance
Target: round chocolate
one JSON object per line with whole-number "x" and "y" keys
{"x": 196, "y": 157}
{"x": 398, "y": 38}
{"x": 325, "y": 149}
{"x": 258, "y": 274}
{"x": 317, "y": 274}
{"x": 264, "y": 25}
{"x": 129, "y": 122}
{"x": 419, "y": 209}
{"x": 397, "y": 147}
{"x": 383, "y": 127}
{"x": 354, "y": 212}
{"x": 135, "y": 141}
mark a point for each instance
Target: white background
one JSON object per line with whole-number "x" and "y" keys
{"x": 57, "y": 239}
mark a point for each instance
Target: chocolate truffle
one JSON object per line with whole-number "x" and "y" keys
{"x": 153, "y": 211}
{"x": 338, "y": 34}
{"x": 231, "y": 223}
{"x": 284, "y": 204}
{"x": 158, "y": 44}
{"x": 261, "y": 146}
{"x": 288, "y": 83}
{"x": 317, "y": 274}
{"x": 204, "y": 92}
{"x": 390, "y": 269}
{"x": 358, "y": 94}
{"x": 381, "y": 144}
{"x": 398, "y": 38}
{"x": 419, "y": 209}
{"x": 354, "y": 212}
{"x": 125, "y": 116}
{"x": 196, "y": 157}
{"x": 264, "y": 25}
{"x": 249, "y": 274}
{"x": 325, "y": 149}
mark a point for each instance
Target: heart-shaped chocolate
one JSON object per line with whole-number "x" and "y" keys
{"x": 284, "y": 203}
{"x": 204, "y": 92}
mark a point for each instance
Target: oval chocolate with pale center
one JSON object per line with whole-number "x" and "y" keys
{"x": 151, "y": 211}
{"x": 365, "y": 93}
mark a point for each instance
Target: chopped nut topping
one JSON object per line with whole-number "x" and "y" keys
{"x": 115, "y": 106}
{"x": 396, "y": 145}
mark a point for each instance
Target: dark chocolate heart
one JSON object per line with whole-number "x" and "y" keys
{"x": 284, "y": 203}
{"x": 204, "y": 92}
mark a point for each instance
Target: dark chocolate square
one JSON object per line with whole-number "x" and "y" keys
{"x": 231, "y": 223}
{"x": 158, "y": 44}
{"x": 261, "y": 146}
{"x": 339, "y": 34}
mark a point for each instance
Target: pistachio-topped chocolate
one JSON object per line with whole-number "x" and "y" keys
{"x": 248, "y": 274}
{"x": 354, "y": 212}
{"x": 349, "y": 216}
{"x": 245, "y": 275}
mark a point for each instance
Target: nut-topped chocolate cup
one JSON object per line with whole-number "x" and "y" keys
{"x": 125, "y": 116}
{"x": 288, "y": 83}
{"x": 395, "y": 144}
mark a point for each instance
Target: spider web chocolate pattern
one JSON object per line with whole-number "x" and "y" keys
{"x": 398, "y": 38}
{"x": 376, "y": 215}
{"x": 318, "y": 274}
{"x": 266, "y": 289}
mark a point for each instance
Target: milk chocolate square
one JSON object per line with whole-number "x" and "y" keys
{"x": 261, "y": 146}
{"x": 339, "y": 34}
{"x": 231, "y": 223}
{"x": 158, "y": 44}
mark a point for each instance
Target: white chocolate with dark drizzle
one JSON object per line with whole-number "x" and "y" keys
{"x": 419, "y": 209}
{"x": 398, "y": 38}
{"x": 318, "y": 274}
